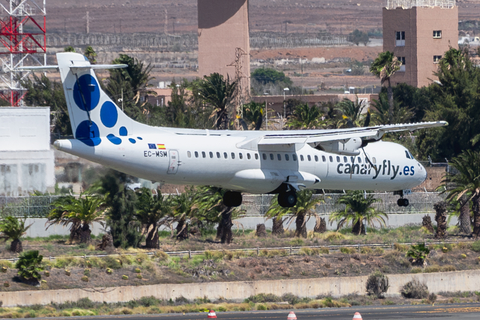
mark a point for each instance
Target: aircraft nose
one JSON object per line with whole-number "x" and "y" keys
{"x": 422, "y": 173}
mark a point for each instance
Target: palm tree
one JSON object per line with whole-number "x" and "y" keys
{"x": 253, "y": 115}
{"x": 351, "y": 113}
{"x": 305, "y": 117}
{"x": 184, "y": 207}
{"x": 219, "y": 93}
{"x": 79, "y": 213}
{"x": 384, "y": 67}
{"x": 90, "y": 54}
{"x": 465, "y": 182}
{"x": 381, "y": 112}
{"x": 13, "y": 228}
{"x": 152, "y": 210}
{"x": 305, "y": 207}
{"x": 358, "y": 207}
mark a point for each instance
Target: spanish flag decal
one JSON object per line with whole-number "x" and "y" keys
{"x": 160, "y": 146}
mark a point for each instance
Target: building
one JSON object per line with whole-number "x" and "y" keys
{"x": 223, "y": 39}
{"x": 26, "y": 159}
{"x": 419, "y": 32}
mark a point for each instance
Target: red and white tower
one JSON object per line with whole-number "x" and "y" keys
{"x": 23, "y": 36}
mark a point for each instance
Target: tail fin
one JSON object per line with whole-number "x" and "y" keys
{"x": 93, "y": 115}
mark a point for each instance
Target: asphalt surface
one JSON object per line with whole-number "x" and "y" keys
{"x": 450, "y": 311}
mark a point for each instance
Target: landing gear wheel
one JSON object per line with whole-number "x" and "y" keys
{"x": 232, "y": 199}
{"x": 402, "y": 202}
{"x": 287, "y": 199}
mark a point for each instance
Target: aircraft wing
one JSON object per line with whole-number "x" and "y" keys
{"x": 341, "y": 141}
{"x": 368, "y": 133}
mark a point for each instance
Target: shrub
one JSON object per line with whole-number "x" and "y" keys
{"x": 6, "y": 284}
{"x": 414, "y": 290}
{"x": 378, "y": 250}
{"x": 85, "y": 278}
{"x": 418, "y": 253}
{"x": 263, "y": 297}
{"x": 463, "y": 256}
{"x": 139, "y": 276}
{"x": 46, "y": 273}
{"x": 149, "y": 301}
{"x": 261, "y": 307}
{"x": 400, "y": 247}
{"x": 432, "y": 297}
{"x": 476, "y": 246}
{"x": 366, "y": 250}
{"x": 333, "y": 236}
{"x": 4, "y": 269}
{"x": 137, "y": 270}
{"x": 377, "y": 284}
{"x": 109, "y": 271}
{"x": 125, "y": 277}
{"x": 86, "y": 272}
{"x": 448, "y": 268}
{"x": 416, "y": 270}
{"x": 432, "y": 268}
{"x": 67, "y": 272}
{"x": 348, "y": 250}
{"x": 29, "y": 265}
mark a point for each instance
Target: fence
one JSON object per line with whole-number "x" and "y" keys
{"x": 407, "y": 4}
{"x": 254, "y": 205}
{"x": 420, "y": 202}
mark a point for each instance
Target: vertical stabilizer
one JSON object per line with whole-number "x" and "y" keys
{"x": 93, "y": 115}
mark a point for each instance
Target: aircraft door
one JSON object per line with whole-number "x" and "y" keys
{"x": 173, "y": 162}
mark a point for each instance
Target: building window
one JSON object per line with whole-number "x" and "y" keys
{"x": 437, "y": 34}
{"x": 400, "y": 39}
{"x": 402, "y": 60}
{"x": 436, "y": 59}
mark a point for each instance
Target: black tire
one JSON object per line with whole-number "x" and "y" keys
{"x": 401, "y": 202}
{"x": 287, "y": 199}
{"x": 232, "y": 199}
{"x": 405, "y": 202}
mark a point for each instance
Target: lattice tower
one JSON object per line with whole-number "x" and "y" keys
{"x": 23, "y": 36}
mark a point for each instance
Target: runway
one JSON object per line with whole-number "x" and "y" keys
{"x": 450, "y": 311}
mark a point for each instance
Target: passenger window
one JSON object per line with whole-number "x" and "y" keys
{"x": 225, "y": 155}
{"x": 331, "y": 158}
{"x": 352, "y": 159}
{"x": 256, "y": 156}
{"x": 338, "y": 159}
{"x": 309, "y": 158}
{"x": 248, "y": 156}
{"x": 189, "y": 154}
{"x": 240, "y": 156}
{"x": 211, "y": 154}
{"x": 345, "y": 159}
{"x": 374, "y": 160}
{"x": 264, "y": 156}
{"x": 203, "y": 154}
{"x": 324, "y": 159}
{"x": 233, "y": 155}
{"x": 294, "y": 157}
{"x": 271, "y": 156}
{"x": 301, "y": 157}
{"x": 218, "y": 155}
{"x": 287, "y": 157}
{"x": 359, "y": 160}
{"x": 316, "y": 158}
{"x": 279, "y": 157}
{"x": 196, "y": 154}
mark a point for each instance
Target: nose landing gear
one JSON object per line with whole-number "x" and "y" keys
{"x": 402, "y": 202}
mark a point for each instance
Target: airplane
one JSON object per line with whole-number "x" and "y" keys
{"x": 258, "y": 162}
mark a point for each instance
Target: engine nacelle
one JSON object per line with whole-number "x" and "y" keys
{"x": 350, "y": 147}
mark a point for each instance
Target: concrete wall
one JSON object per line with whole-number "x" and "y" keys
{"x": 437, "y": 282}
{"x": 418, "y": 24}
{"x": 394, "y": 220}
{"x": 26, "y": 160}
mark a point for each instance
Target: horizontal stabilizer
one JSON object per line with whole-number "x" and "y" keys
{"x": 84, "y": 67}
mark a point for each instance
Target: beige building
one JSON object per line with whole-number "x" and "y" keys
{"x": 419, "y": 32}
{"x": 222, "y": 28}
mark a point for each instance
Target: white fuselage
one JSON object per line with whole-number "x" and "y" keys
{"x": 202, "y": 157}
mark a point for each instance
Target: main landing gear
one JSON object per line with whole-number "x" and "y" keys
{"x": 402, "y": 202}
{"x": 232, "y": 199}
{"x": 287, "y": 198}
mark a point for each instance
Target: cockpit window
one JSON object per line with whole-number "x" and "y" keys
{"x": 407, "y": 154}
